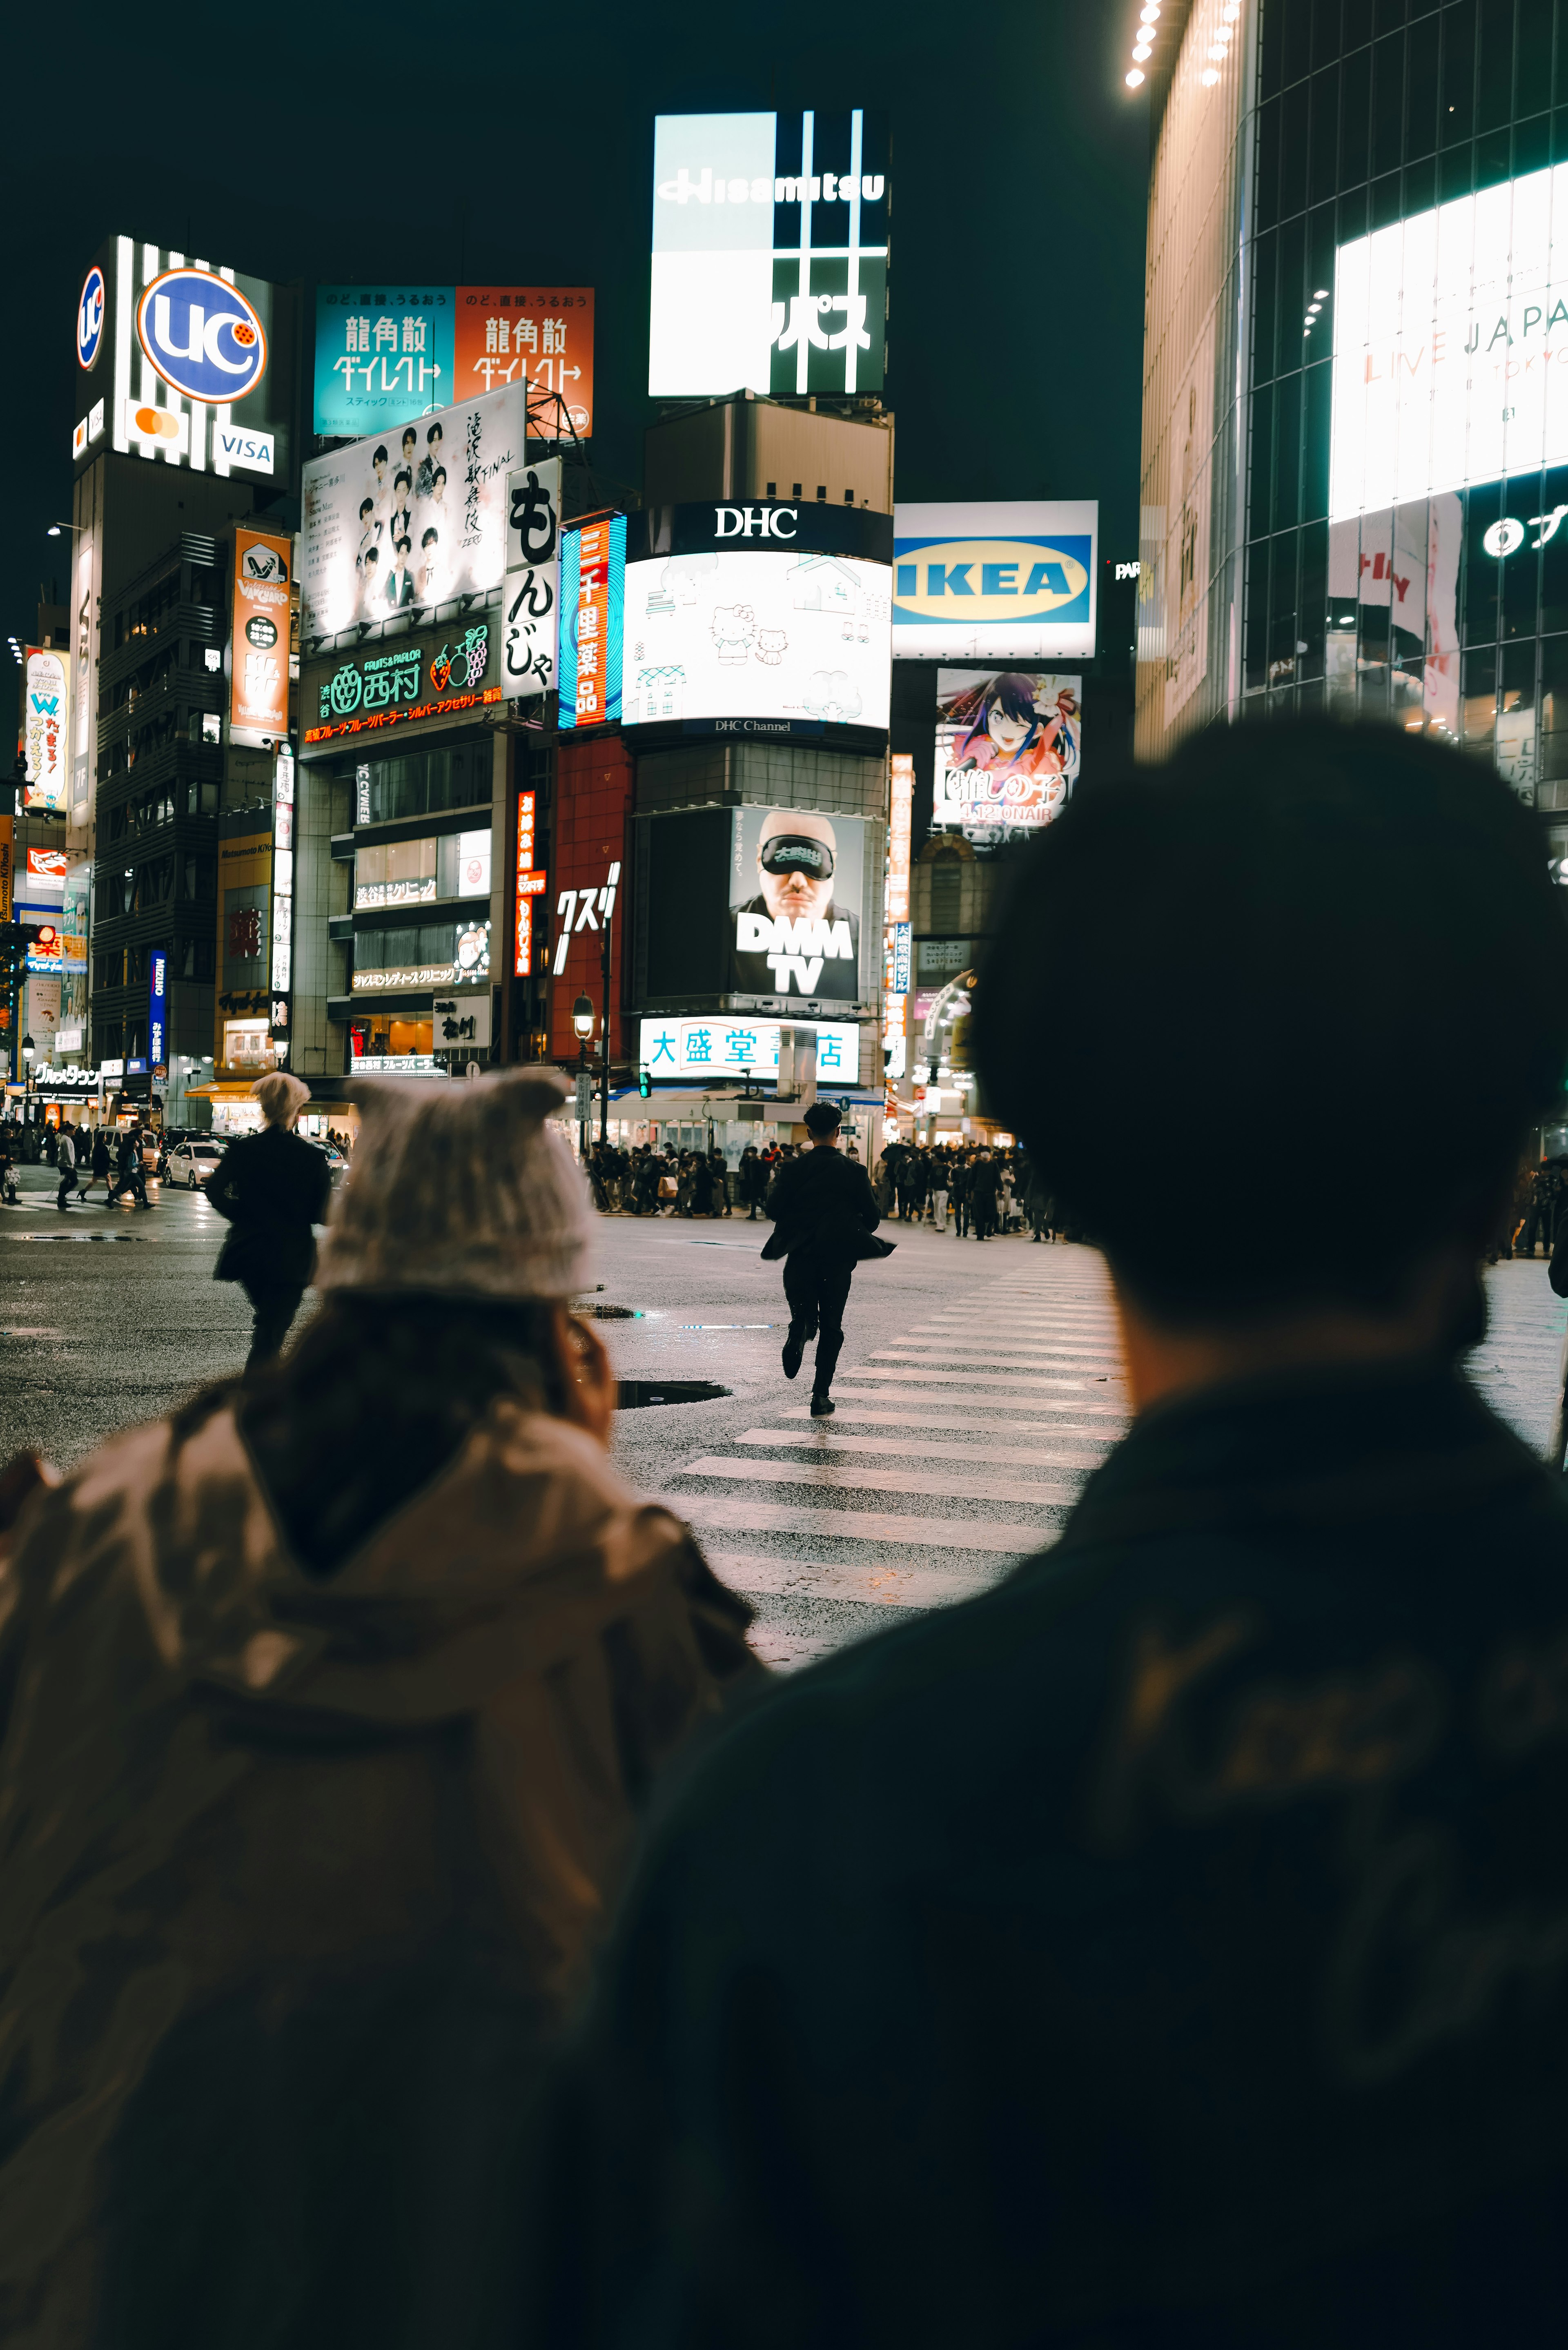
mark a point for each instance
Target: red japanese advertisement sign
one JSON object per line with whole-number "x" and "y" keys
{"x": 530, "y": 884}
{"x": 593, "y": 803}
{"x": 542, "y": 336}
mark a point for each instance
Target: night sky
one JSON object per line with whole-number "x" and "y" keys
{"x": 463, "y": 144}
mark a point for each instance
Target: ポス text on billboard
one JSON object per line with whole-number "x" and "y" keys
{"x": 760, "y": 620}
{"x": 770, "y": 253}
{"x": 1009, "y": 747}
{"x": 1450, "y": 339}
{"x": 797, "y": 889}
{"x": 541, "y": 336}
{"x": 46, "y": 727}
{"x": 1009, "y": 582}
{"x": 592, "y": 592}
{"x": 400, "y": 522}
{"x": 531, "y": 594}
{"x": 383, "y": 354}
{"x": 258, "y": 685}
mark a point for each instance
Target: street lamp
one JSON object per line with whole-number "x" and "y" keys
{"x": 77, "y": 529}
{"x": 28, "y": 1049}
{"x": 583, "y": 1021}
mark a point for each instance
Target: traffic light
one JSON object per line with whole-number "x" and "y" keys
{"x": 644, "y": 1082}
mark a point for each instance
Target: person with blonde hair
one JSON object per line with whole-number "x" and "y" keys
{"x": 272, "y": 1188}
{"x": 328, "y": 1708}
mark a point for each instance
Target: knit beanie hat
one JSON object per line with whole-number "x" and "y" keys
{"x": 460, "y": 1187}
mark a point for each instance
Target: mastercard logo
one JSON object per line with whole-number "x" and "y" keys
{"x": 155, "y": 424}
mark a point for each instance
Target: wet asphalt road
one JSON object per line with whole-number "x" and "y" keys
{"x": 979, "y": 1385}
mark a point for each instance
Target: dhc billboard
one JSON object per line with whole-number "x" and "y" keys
{"x": 1012, "y": 582}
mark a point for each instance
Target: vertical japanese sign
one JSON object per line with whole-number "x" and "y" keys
{"x": 593, "y": 595}
{"x": 529, "y": 885}
{"x": 533, "y": 335}
{"x": 258, "y": 685}
{"x": 383, "y": 354}
{"x": 896, "y": 918}
{"x": 281, "y": 966}
{"x": 158, "y": 1012}
{"x": 533, "y": 581}
{"x": 46, "y": 727}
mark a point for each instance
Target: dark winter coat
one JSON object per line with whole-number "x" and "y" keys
{"x": 272, "y": 1186}
{"x": 824, "y": 1202}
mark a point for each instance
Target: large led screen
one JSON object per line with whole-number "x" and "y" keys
{"x": 409, "y": 518}
{"x": 766, "y": 620}
{"x": 770, "y": 253}
{"x": 1451, "y": 346}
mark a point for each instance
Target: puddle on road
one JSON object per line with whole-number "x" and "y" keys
{"x": 634, "y": 1395}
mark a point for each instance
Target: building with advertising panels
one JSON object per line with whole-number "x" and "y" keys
{"x": 187, "y": 391}
{"x": 757, "y": 683}
{"x": 1355, "y": 439}
{"x": 409, "y": 661}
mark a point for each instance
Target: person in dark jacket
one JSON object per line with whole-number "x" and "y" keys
{"x": 824, "y": 1217}
{"x": 753, "y": 1178}
{"x": 272, "y": 1186}
{"x": 129, "y": 1175}
{"x": 1170, "y": 1946}
{"x": 102, "y": 1165}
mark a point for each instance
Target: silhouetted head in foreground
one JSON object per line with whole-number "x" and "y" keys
{"x": 1275, "y": 1020}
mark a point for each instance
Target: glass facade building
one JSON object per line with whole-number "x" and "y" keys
{"x": 1355, "y": 418}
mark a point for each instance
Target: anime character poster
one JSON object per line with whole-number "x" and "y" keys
{"x": 1009, "y": 746}
{"x": 795, "y": 887}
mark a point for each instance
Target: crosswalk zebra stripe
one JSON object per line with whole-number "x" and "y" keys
{"x": 842, "y": 1477}
{"x": 884, "y": 1364}
{"x": 747, "y": 1516}
{"x": 886, "y": 1582}
{"x": 912, "y": 1448}
{"x": 1100, "y": 1439}
{"x": 1036, "y": 1402}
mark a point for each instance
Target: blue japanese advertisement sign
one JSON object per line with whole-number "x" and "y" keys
{"x": 384, "y": 353}
{"x": 593, "y": 599}
{"x": 158, "y": 1011}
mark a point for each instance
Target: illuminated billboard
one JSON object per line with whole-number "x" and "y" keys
{"x": 1012, "y": 583}
{"x": 721, "y": 1047}
{"x": 593, "y": 587}
{"x": 1009, "y": 747}
{"x": 386, "y": 353}
{"x": 770, "y": 253}
{"x": 767, "y": 909}
{"x": 185, "y": 362}
{"x": 408, "y": 519}
{"x": 1449, "y": 331}
{"x": 383, "y": 354}
{"x": 46, "y": 727}
{"x": 540, "y": 336}
{"x": 761, "y": 621}
{"x": 259, "y": 686}
{"x": 432, "y": 673}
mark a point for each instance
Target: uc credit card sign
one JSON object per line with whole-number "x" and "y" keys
{"x": 1003, "y": 582}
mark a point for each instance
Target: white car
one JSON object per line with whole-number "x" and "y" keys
{"x": 190, "y": 1163}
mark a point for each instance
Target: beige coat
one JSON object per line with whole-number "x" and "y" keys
{"x": 235, "y": 1799}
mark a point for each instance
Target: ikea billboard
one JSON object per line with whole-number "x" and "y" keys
{"x": 1007, "y": 582}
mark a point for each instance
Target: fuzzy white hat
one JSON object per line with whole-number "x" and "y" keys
{"x": 460, "y": 1187}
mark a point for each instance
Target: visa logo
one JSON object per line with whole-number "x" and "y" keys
{"x": 252, "y": 452}
{"x": 980, "y": 580}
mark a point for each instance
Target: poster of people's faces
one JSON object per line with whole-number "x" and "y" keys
{"x": 408, "y": 518}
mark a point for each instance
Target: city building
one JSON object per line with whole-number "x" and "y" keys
{"x": 187, "y": 378}
{"x": 1355, "y": 443}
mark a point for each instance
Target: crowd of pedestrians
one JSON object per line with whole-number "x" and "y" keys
{"x": 652, "y": 1180}
{"x": 1167, "y": 1946}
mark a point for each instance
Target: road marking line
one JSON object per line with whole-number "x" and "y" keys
{"x": 748, "y": 1516}
{"x": 908, "y": 1448}
{"x": 887, "y": 1583}
{"x": 978, "y": 1402}
{"x": 1102, "y": 1439}
{"x": 836, "y": 1477}
{"x": 1003, "y": 1349}
{"x": 880, "y": 1368}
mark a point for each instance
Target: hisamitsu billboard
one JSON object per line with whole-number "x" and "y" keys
{"x": 1010, "y": 583}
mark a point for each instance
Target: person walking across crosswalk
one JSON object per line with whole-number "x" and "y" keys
{"x": 825, "y": 1222}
